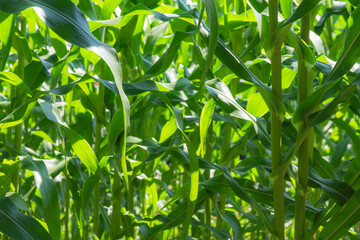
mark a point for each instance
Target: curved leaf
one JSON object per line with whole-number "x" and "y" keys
{"x": 213, "y": 35}
{"x": 48, "y": 192}
{"x": 352, "y": 175}
{"x": 79, "y": 145}
{"x": 13, "y": 79}
{"x": 66, "y": 20}
{"x": 223, "y": 98}
{"x": 337, "y": 190}
{"x": 19, "y": 226}
{"x": 205, "y": 120}
{"x": 18, "y": 115}
{"x": 115, "y": 130}
{"x": 7, "y": 32}
{"x": 82, "y": 150}
{"x": 348, "y": 216}
{"x": 351, "y": 50}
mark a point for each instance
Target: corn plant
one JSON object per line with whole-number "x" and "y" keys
{"x": 139, "y": 119}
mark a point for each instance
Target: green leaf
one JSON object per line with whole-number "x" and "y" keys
{"x": 256, "y": 105}
{"x": 223, "y": 98}
{"x": 355, "y": 2}
{"x": 86, "y": 194}
{"x": 337, "y": 9}
{"x": 82, "y": 150}
{"x": 286, "y": 7}
{"x": 35, "y": 74}
{"x": 14, "y": 80}
{"x": 7, "y": 32}
{"x": 17, "y": 200}
{"x": 303, "y": 51}
{"x": 166, "y": 59}
{"x": 108, "y": 8}
{"x": 205, "y": 120}
{"x": 323, "y": 114}
{"x": 307, "y": 107}
{"x": 304, "y": 8}
{"x": 79, "y": 145}
{"x": 352, "y": 134}
{"x": 251, "y": 162}
{"x": 337, "y": 190}
{"x": 19, "y": 226}
{"x": 18, "y": 115}
{"x": 323, "y": 167}
{"x": 259, "y": 5}
{"x": 213, "y": 35}
{"x": 115, "y": 130}
{"x": 5, "y": 184}
{"x": 348, "y": 216}
{"x": 351, "y": 49}
{"x": 51, "y": 112}
{"x": 288, "y": 76}
{"x": 87, "y": 6}
{"x": 339, "y": 151}
{"x": 154, "y": 35}
{"x": 58, "y": 44}
{"x": 230, "y": 60}
{"x": 59, "y": 65}
{"x": 168, "y": 130}
{"x": 194, "y": 164}
{"x": 21, "y": 45}
{"x": 352, "y": 175}
{"x": 88, "y": 98}
{"x": 177, "y": 195}
{"x": 43, "y": 135}
{"x": 317, "y": 43}
{"x": 277, "y": 38}
{"x": 240, "y": 192}
{"x": 48, "y": 192}
{"x": 66, "y": 20}
{"x": 234, "y": 223}
{"x": 127, "y": 33}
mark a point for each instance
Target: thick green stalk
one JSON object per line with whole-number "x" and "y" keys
{"x": 328, "y": 26}
{"x": 131, "y": 230}
{"x": 278, "y": 180}
{"x": 67, "y": 207}
{"x": 117, "y": 196}
{"x": 208, "y": 156}
{"x": 67, "y": 116}
{"x": 185, "y": 226}
{"x": 311, "y": 135}
{"x": 303, "y": 163}
{"x": 99, "y": 119}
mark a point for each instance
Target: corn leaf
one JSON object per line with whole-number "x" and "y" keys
{"x": 343, "y": 220}
{"x": 19, "y": 226}
{"x": 48, "y": 192}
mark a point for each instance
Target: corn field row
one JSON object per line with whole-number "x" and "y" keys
{"x": 197, "y": 119}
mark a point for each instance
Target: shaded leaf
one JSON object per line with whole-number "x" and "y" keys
{"x": 48, "y": 192}
{"x": 19, "y": 226}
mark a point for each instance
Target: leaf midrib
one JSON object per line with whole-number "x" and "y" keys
{"x": 346, "y": 218}
{"x": 92, "y": 38}
{"x": 16, "y": 223}
{"x": 47, "y": 188}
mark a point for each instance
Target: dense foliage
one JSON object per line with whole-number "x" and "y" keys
{"x": 160, "y": 119}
